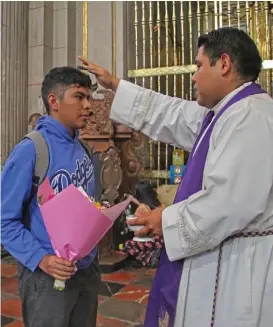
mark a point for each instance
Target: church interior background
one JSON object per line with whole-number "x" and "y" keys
{"x": 150, "y": 43}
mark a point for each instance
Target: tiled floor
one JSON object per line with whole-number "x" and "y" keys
{"x": 122, "y": 301}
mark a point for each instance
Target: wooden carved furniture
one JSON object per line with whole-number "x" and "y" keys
{"x": 119, "y": 165}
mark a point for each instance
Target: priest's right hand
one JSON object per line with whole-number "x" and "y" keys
{"x": 104, "y": 77}
{"x": 57, "y": 268}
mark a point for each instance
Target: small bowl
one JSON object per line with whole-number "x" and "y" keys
{"x": 133, "y": 228}
{"x": 137, "y": 228}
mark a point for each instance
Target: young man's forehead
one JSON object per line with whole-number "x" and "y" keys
{"x": 78, "y": 88}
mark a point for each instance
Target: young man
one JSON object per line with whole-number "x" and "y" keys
{"x": 66, "y": 96}
{"x": 218, "y": 266}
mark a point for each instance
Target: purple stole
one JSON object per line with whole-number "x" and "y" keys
{"x": 164, "y": 293}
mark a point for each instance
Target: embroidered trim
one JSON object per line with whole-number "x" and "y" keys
{"x": 194, "y": 240}
{"x": 142, "y": 114}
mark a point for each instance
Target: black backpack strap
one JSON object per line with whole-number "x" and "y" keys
{"x": 40, "y": 171}
{"x": 97, "y": 168}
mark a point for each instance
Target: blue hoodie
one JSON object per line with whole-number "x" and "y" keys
{"x": 69, "y": 163}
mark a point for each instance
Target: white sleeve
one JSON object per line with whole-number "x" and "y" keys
{"x": 161, "y": 117}
{"x": 236, "y": 187}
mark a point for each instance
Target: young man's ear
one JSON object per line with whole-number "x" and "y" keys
{"x": 53, "y": 102}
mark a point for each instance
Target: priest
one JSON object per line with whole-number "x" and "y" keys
{"x": 217, "y": 266}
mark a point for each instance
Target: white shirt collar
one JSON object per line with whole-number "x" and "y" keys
{"x": 228, "y": 97}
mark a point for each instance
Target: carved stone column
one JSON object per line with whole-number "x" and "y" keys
{"x": 14, "y": 74}
{"x": 119, "y": 165}
{"x": 127, "y": 141}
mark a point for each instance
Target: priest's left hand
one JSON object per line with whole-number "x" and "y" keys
{"x": 152, "y": 221}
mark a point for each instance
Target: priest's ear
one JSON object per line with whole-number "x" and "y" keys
{"x": 225, "y": 64}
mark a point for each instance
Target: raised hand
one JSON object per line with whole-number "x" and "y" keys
{"x": 104, "y": 77}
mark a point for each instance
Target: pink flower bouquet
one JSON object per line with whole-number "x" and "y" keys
{"x": 75, "y": 223}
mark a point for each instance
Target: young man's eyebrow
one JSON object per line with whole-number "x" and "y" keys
{"x": 81, "y": 93}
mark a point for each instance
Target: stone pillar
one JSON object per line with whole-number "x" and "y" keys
{"x": 40, "y": 51}
{"x": 14, "y": 74}
{"x": 52, "y": 43}
{"x": 64, "y": 37}
{"x": 101, "y": 45}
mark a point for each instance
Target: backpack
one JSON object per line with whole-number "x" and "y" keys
{"x": 41, "y": 167}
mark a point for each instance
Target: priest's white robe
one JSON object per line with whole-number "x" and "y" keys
{"x": 237, "y": 195}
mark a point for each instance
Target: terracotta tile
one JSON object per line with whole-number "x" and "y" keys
{"x": 135, "y": 293}
{"x": 10, "y": 286}
{"x": 109, "y": 289}
{"x": 142, "y": 317}
{"x": 8, "y": 270}
{"x": 101, "y": 298}
{"x": 11, "y": 308}
{"x": 136, "y": 270}
{"x": 16, "y": 323}
{"x": 107, "y": 322}
{"x": 130, "y": 312}
{"x": 6, "y": 320}
{"x": 145, "y": 281}
{"x": 151, "y": 272}
{"x": 5, "y": 296}
{"x": 122, "y": 277}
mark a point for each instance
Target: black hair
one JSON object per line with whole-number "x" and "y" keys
{"x": 59, "y": 79}
{"x": 240, "y": 47}
{"x": 146, "y": 194}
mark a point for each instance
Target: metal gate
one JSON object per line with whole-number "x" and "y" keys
{"x": 162, "y": 45}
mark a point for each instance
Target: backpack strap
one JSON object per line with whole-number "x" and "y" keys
{"x": 86, "y": 147}
{"x": 40, "y": 171}
{"x": 97, "y": 168}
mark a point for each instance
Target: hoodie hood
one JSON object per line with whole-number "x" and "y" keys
{"x": 53, "y": 126}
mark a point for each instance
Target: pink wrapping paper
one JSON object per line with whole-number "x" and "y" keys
{"x": 74, "y": 225}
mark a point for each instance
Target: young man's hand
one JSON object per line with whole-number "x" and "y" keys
{"x": 105, "y": 79}
{"x": 57, "y": 268}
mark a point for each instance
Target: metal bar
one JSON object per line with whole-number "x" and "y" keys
{"x": 198, "y": 18}
{"x": 267, "y": 44}
{"x": 256, "y": 11}
{"x": 247, "y": 17}
{"x": 158, "y": 81}
{"x": 238, "y": 14}
{"x": 136, "y": 39}
{"x": 167, "y": 43}
{"x": 136, "y": 36}
{"x": 154, "y": 174}
{"x": 229, "y": 14}
{"x": 182, "y": 44}
{"x": 220, "y": 14}
{"x": 215, "y": 15}
{"x": 177, "y": 70}
{"x": 257, "y": 34}
{"x": 206, "y": 16}
{"x": 151, "y": 78}
{"x": 191, "y": 41}
{"x": 174, "y": 47}
{"x": 167, "y": 77}
{"x": 143, "y": 40}
{"x": 158, "y": 41}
